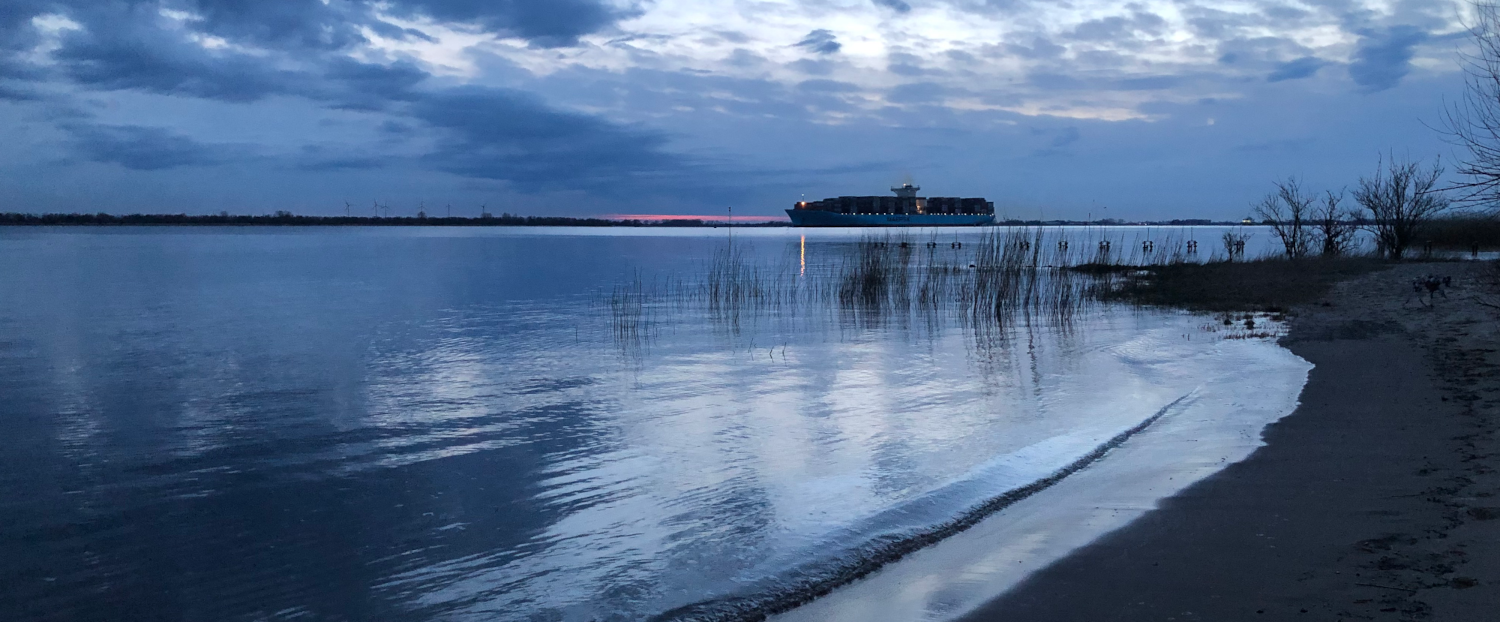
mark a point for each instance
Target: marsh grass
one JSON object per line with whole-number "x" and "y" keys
{"x": 1007, "y": 278}
{"x": 1269, "y": 284}
{"x": 882, "y": 279}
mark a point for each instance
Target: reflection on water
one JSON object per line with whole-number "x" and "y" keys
{"x": 517, "y": 425}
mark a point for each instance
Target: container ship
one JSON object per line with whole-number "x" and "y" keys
{"x": 906, "y": 209}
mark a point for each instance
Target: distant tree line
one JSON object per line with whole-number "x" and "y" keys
{"x": 284, "y": 218}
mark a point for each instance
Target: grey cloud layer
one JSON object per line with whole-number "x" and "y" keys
{"x": 488, "y": 134}
{"x": 304, "y": 50}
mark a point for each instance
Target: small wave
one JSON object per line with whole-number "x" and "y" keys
{"x": 809, "y": 581}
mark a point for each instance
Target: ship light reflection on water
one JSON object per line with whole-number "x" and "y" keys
{"x": 802, "y": 258}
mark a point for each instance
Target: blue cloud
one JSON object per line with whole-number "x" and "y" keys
{"x": 820, "y": 41}
{"x": 896, "y": 5}
{"x": 132, "y": 55}
{"x": 1296, "y": 69}
{"x": 508, "y": 135}
{"x": 1383, "y": 58}
{"x": 1065, "y": 137}
{"x": 275, "y": 23}
{"x": 141, "y": 148}
{"x": 1040, "y": 48}
{"x": 120, "y": 48}
{"x": 1119, "y": 28}
{"x": 547, "y": 23}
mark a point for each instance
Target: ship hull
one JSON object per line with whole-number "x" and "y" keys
{"x": 819, "y": 218}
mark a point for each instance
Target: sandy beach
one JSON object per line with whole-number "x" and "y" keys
{"x": 1375, "y": 500}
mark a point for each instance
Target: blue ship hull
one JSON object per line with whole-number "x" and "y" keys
{"x": 819, "y": 218}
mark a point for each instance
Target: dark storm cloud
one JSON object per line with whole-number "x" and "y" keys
{"x": 1297, "y": 69}
{"x": 1384, "y": 56}
{"x": 507, "y": 135}
{"x": 820, "y": 41}
{"x": 140, "y": 148}
{"x": 898, "y": 6}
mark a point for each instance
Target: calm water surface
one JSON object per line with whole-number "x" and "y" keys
{"x": 448, "y": 424}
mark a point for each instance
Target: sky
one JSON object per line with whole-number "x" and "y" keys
{"x": 1052, "y": 109}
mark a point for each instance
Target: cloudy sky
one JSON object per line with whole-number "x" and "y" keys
{"x": 1155, "y": 109}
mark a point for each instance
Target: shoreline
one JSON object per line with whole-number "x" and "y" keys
{"x": 1375, "y": 499}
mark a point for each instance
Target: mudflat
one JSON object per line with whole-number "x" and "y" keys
{"x": 1377, "y": 499}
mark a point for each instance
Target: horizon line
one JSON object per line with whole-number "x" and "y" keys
{"x": 692, "y": 217}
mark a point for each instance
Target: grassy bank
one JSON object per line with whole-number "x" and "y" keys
{"x": 1271, "y": 285}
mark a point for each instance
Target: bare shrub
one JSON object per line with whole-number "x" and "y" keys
{"x": 1287, "y": 211}
{"x": 1234, "y": 244}
{"x": 1334, "y": 226}
{"x": 1401, "y": 198}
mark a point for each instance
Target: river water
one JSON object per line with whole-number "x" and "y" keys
{"x": 469, "y": 424}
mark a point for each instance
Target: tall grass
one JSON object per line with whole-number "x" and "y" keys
{"x": 986, "y": 283}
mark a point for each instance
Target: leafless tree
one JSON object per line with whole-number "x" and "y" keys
{"x": 1234, "y": 244}
{"x": 1473, "y": 122}
{"x": 1334, "y": 226}
{"x": 1401, "y": 198}
{"x": 1287, "y": 210}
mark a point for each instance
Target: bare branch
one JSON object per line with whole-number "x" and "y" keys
{"x": 1473, "y": 122}
{"x": 1334, "y": 226}
{"x": 1287, "y": 211}
{"x": 1401, "y": 198}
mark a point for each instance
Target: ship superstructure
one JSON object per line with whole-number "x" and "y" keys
{"x": 905, "y": 209}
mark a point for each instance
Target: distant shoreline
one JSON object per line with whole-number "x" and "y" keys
{"x": 283, "y": 219}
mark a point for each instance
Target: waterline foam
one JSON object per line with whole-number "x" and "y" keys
{"x": 1219, "y": 424}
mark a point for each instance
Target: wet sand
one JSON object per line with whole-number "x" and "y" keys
{"x": 1377, "y": 499}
